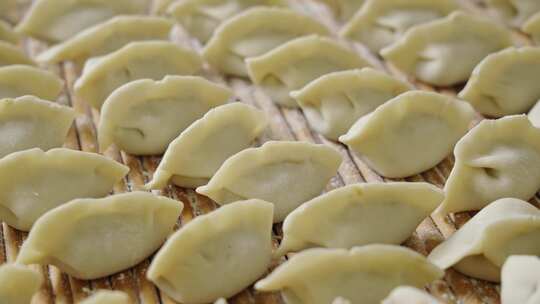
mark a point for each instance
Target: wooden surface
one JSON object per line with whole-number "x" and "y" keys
{"x": 285, "y": 124}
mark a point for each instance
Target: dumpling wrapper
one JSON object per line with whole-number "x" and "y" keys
{"x": 7, "y": 9}
{"x": 444, "y": 52}
{"x": 520, "y": 278}
{"x": 514, "y": 12}
{"x": 505, "y": 227}
{"x": 18, "y": 284}
{"x": 379, "y": 23}
{"x": 108, "y": 37}
{"x": 341, "y": 300}
{"x": 351, "y": 216}
{"x": 496, "y": 159}
{"x": 137, "y": 60}
{"x": 200, "y": 18}
{"x": 221, "y": 301}
{"x": 50, "y": 179}
{"x": 7, "y": 33}
{"x": 343, "y": 10}
{"x": 197, "y": 154}
{"x": 504, "y": 82}
{"x": 11, "y": 54}
{"x": 93, "y": 238}
{"x": 333, "y": 102}
{"x": 284, "y": 173}
{"x": 294, "y": 64}
{"x": 253, "y": 33}
{"x": 144, "y": 116}
{"x": 159, "y": 7}
{"x": 216, "y": 255}
{"x": 58, "y": 20}
{"x": 410, "y": 133}
{"x": 21, "y": 80}
{"x": 363, "y": 274}
{"x": 409, "y": 295}
{"x": 534, "y": 115}
{"x": 29, "y": 122}
{"x": 107, "y": 297}
{"x": 532, "y": 27}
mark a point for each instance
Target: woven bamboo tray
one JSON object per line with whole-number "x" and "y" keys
{"x": 285, "y": 124}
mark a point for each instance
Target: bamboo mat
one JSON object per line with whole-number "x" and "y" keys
{"x": 285, "y": 124}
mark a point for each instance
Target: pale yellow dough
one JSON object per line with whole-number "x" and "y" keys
{"x": 521, "y": 280}
{"x": 95, "y": 238}
{"x": 107, "y": 297}
{"x": 343, "y": 10}
{"x": 11, "y": 54}
{"x": 534, "y": 115}
{"x": 19, "y": 80}
{"x": 410, "y": 295}
{"x": 7, "y": 33}
{"x": 18, "y": 284}
{"x": 514, "y": 12}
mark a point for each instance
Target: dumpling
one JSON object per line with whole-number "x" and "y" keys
{"x": 351, "y": 216}
{"x": 159, "y": 7}
{"x": 29, "y": 122}
{"x": 410, "y": 133}
{"x": 534, "y": 115}
{"x": 532, "y": 27}
{"x": 93, "y": 238}
{"x": 107, "y": 297}
{"x": 409, "y": 295}
{"x": 108, "y": 37}
{"x": 297, "y": 62}
{"x": 282, "y": 172}
{"x": 195, "y": 156}
{"x": 201, "y": 17}
{"x": 520, "y": 280}
{"x": 18, "y": 284}
{"x": 137, "y": 60}
{"x": 216, "y": 255}
{"x": 50, "y": 179}
{"x": 7, "y": 9}
{"x": 221, "y": 301}
{"x": 444, "y": 52}
{"x": 20, "y": 80}
{"x": 506, "y": 227}
{"x": 11, "y": 54}
{"x": 333, "y": 102}
{"x": 340, "y": 300}
{"x": 497, "y": 159}
{"x": 504, "y": 82}
{"x": 255, "y": 32}
{"x": 58, "y": 20}
{"x": 363, "y": 274}
{"x": 142, "y": 117}
{"x": 514, "y": 12}
{"x": 380, "y": 23}
{"x": 7, "y": 33}
{"x": 343, "y": 10}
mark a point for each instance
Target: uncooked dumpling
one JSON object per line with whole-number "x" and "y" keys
{"x": 7, "y": 33}
{"x": 343, "y": 10}
{"x": 297, "y": 62}
{"x": 504, "y": 83}
{"x": 363, "y": 274}
{"x": 497, "y": 159}
{"x": 332, "y": 103}
{"x": 18, "y": 284}
{"x": 58, "y": 20}
{"x": 505, "y": 227}
{"x": 409, "y": 295}
{"x": 93, "y": 238}
{"x": 20, "y": 80}
{"x": 534, "y": 115}
{"x": 11, "y": 54}
{"x": 29, "y": 122}
{"x": 107, "y": 297}
{"x": 137, "y": 60}
{"x": 195, "y": 156}
{"x": 410, "y": 133}
{"x": 7, "y": 9}
{"x": 255, "y": 32}
{"x": 351, "y": 216}
{"x": 520, "y": 277}
{"x": 108, "y": 37}
{"x": 144, "y": 116}
{"x": 201, "y": 17}
{"x": 514, "y": 12}
{"x": 532, "y": 27}
{"x": 444, "y": 52}
{"x": 380, "y": 23}
{"x": 216, "y": 255}
{"x": 282, "y": 172}
{"x": 50, "y": 179}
